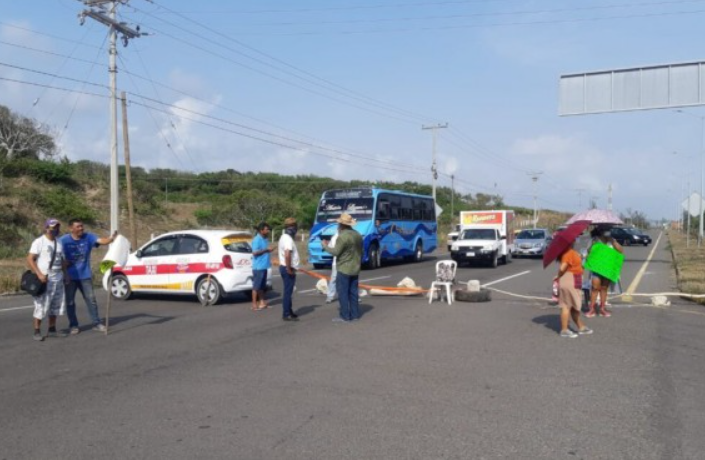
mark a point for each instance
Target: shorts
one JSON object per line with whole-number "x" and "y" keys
{"x": 259, "y": 280}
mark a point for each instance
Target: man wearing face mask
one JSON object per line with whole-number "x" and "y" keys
{"x": 46, "y": 260}
{"x": 288, "y": 264}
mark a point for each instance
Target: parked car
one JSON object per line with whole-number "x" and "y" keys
{"x": 630, "y": 236}
{"x": 453, "y": 236}
{"x": 180, "y": 262}
{"x": 532, "y": 242}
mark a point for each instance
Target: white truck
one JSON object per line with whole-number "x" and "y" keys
{"x": 484, "y": 236}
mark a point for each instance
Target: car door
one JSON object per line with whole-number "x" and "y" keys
{"x": 189, "y": 262}
{"x": 156, "y": 262}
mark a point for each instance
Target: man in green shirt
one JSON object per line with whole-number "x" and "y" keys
{"x": 348, "y": 251}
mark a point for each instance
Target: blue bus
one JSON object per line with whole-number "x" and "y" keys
{"x": 393, "y": 224}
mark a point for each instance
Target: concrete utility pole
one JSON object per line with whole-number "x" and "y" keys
{"x": 105, "y": 12}
{"x": 535, "y": 179}
{"x": 434, "y": 169}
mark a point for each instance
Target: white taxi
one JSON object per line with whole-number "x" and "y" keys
{"x": 181, "y": 262}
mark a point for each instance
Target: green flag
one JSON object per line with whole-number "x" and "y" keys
{"x": 605, "y": 261}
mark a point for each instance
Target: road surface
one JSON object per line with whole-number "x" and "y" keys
{"x": 409, "y": 381}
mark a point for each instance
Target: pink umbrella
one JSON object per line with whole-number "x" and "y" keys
{"x": 596, "y": 216}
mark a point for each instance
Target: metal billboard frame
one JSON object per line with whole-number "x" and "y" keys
{"x": 666, "y": 86}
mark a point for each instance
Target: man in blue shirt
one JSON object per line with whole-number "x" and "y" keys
{"x": 261, "y": 262}
{"x": 77, "y": 251}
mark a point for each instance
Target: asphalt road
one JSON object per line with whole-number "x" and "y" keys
{"x": 409, "y": 381}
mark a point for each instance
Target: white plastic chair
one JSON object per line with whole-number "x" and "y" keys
{"x": 445, "y": 277}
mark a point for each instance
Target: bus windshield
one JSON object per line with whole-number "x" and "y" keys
{"x": 329, "y": 210}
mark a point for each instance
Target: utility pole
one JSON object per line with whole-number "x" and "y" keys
{"x": 609, "y": 197}
{"x": 687, "y": 228}
{"x": 452, "y": 199}
{"x": 105, "y": 12}
{"x": 535, "y": 179}
{"x": 580, "y": 197}
{"x": 434, "y": 168}
{"x": 128, "y": 171}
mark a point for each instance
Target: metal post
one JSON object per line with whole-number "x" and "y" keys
{"x": 434, "y": 168}
{"x": 114, "y": 188}
{"x": 702, "y": 179}
{"x": 687, "y": 228}
{"x": 535, "y": 179}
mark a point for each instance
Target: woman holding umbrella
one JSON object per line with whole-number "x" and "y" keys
{"x": 600, "y": 284}
{"x": 569, "y": 277}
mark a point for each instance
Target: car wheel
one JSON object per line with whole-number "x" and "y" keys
{"x": 374, "y": 257}
{"x": 495, "y": 261}
{"x": 418, "y": 253}
{"x": 506, "y": 259}
{"x": 627, "y": 243}
{"x": 318, "y": 266}
{"x": 120, "y": 287}
{"x": 209, "y": 291}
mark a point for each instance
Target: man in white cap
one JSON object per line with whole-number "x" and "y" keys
{"x": 46, "y": 260}
{"x": 348, "y": 254}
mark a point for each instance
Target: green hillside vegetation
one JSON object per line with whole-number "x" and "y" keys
{"x": 36, "y": 183}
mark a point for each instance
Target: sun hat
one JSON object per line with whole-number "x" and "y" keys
{"x": 51, "y": 222}
{"x": 346, "y": 219}
{"x": 289, "y": 221}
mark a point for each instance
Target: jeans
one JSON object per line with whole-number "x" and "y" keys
{"x": 332, "y": 285}
{"x": 348, "y": 296}
{"x": 289, "y": 283}
{"x": 86, "y": 288}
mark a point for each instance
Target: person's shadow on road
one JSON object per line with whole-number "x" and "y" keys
{"x": 552, "y": 322}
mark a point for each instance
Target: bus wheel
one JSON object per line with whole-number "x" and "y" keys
{"x": 374, "y": 257}
{"x": 418, "y": 253}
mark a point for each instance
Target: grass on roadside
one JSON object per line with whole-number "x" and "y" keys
{"x": 690, "y": 264}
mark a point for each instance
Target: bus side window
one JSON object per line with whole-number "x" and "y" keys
{"x": 407, "y": 211}
{"x": 395, "y": 209}
{"x": 383, "y": 210}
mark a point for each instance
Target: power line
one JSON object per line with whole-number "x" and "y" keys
{"x": 305, "y": 76}
{"x": 476, "y": 15}
{"x": 487, "y": 25}
{"x": 55, "y": 37}
{"x": 183, "y": 93}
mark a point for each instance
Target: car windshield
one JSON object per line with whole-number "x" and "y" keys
{"x": 329, "y": 210}
{"x": 237, "y": 243}
{"x": 633, "y": 231}
{"x": 479, "y": 234}
{"x": 531, "y": 235}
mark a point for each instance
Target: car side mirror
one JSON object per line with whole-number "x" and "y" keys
{"x": 138, "y": 254}
{"x": 504, "y": 237}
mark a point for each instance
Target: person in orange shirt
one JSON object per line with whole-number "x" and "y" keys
{"x": 570, "y": 280}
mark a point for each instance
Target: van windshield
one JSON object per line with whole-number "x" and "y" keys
{"x": 479, "y": 234}
{"x": 330, "y": 209}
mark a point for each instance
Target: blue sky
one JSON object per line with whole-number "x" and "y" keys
{"x": 350, "y": 83}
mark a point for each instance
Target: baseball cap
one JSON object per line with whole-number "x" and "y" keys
{"x": 51, "y": 223}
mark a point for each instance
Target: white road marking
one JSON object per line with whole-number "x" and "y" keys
{"x": 506, "y": 279}
{"x": 17, "y": 308}
{"x": 627, "y": 297}
{"x": 308, "y": 291}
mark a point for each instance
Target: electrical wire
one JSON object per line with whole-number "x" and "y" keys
{"x": 475, "y": 15}
{"x": 481, "y": 25}
{"x": 331, "y": 86}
